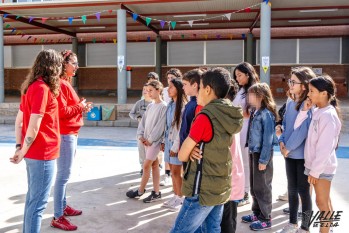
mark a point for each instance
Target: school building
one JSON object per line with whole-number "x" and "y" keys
{"x": 111, "y": 37}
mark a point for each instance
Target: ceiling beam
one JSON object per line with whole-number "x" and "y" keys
{"x": 140, "y": 20}
{"x": 255, "y": 21}
{"x": 41, "y": 25}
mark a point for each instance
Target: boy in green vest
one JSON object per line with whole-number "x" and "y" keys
{"x": 207, "y": 178}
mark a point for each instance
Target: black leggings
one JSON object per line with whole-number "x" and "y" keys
{"x": 230, "y": 212}
{"x": 298, "y": 184}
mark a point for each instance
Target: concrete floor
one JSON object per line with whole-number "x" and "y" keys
{"x": 106, "y": 167}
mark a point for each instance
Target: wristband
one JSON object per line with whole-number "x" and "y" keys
{"x": 18, "y": 145}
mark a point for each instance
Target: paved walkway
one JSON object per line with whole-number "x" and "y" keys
{"x": 106, "y": 167}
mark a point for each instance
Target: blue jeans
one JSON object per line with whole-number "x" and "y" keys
{"x": 64, "y": 166}
{"x": 194, "y": 217}
{"x": 40, "y": 176}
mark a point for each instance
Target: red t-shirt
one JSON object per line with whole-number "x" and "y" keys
{"x": 198, "y": 109}
{"x": 201, "y": 129}
{"x": 40, "y": 100}
{"x": 70, "y": 109}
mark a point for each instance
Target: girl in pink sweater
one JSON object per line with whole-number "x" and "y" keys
{"x": 322, "y": 141}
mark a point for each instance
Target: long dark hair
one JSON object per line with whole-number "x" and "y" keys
{"x": 326, "y": 83}
{"x": 252, "y": 75}
{"x": 262, "y": 90}
{"x": 181, "y": 101}
{"x": 48, "y": 66}
{"x": 304, "y": 74}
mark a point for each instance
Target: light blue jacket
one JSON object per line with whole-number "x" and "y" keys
{"x": 294, "y": 139}
{"x": 262, "y": 137}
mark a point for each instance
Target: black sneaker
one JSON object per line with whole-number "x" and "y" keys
{"x": 152, "y": 197}
{"x": 134, "y": 193}
{"x": 141, "y": 172}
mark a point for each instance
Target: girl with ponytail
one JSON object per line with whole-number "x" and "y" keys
{"x": 320, "y": 147}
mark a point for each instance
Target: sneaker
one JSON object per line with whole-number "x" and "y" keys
{"x": 287, "y": 211}
{"x": 249, "y": 218}
{"x": 289, "y": 228}
{"x": 176, "y": 205}
{"x": 69, "y": 211}
{"x": 152, "y": 197}
{"x": 141, "y": 172}
{"x": 300, "y": 230}
{"x": 169, "y": 202}
{"x": 283, "y": 197}
{"x": 166, "y": 181}
{"x": 63, "y": 224}
{"x": 245, "y": 200}
{"x": 260, "y": 225}
{"x": 134, "y": 193}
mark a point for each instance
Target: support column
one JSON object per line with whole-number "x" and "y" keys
{"x": 158, "y": 55}
{"x": 75, "y": 50}
{"x": 265, "y": 40}
{"x": 122, "y": 82}
{"x": 249, "y": 49}
{"x": 2, "y": 62}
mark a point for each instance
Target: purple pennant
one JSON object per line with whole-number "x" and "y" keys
{"x": 98, "y": 16}
{"x": 134, "y": 16}
{"x": 243, "y": 36}
{"x": 31, "y": 19}
{"x": 162, "y": 23}
{"x": 13, "y": 30}
{"x": 70, "y": 19}
{"x": 148, "y": 38}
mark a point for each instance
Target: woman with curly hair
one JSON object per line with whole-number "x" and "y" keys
{"x": 37, "y": 134}
{"x": 71, "y": 109}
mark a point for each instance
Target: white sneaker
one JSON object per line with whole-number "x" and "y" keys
{"x": 176, "y": 205}
{"x": 166, "y": 181}
{"x": 283, "y": 197}
{"x": 169, "y": 202}
{"x": 290, "y": 228}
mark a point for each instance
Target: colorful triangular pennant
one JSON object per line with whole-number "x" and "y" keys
{"x": 173, "y": 24}
{"x": 83, "y": 18}
{"x": 98, "y": 16}
{"x": 147, "y": 20}
{"x": 228, "y": 16}
{"x": 134, "y": 16}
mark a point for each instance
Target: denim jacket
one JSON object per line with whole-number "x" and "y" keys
{"x": 262, "y": 137}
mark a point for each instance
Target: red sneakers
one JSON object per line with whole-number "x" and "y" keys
{"x": 69, "y": 211}
{"x": 63, "y": 224}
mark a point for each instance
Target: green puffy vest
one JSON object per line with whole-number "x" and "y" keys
{"x": 210, "y": 177}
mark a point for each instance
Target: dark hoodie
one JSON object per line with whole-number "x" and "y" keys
{"x": 210, "y": 177}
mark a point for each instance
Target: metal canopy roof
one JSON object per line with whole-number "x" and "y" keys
{"x": 210, "y": 13}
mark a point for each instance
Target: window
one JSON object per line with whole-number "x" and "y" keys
{"x": 319, "y": 50}
{"x": 185, "y": 53}
{"x": 101, "y": 54}
{"x": 224, "y": 52}
{"x": 24, "y": 55}
{"x": 141, "y": 53}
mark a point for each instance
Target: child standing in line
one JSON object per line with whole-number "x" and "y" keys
{"x": 172, "y": 73}
{"x": 245, "y": 75}
{"x": 292, "y": 142}
{"x": 207, "y": 179}
{"x": 150, "y": 132}
{"x": 261, "y": 139}
{"x": 191, "y": 83}
{"x": 137, "y": 113}
{"x": 173, "y": 122}
{"x": 322, "y": 142}
{"x": 230, "y": 211}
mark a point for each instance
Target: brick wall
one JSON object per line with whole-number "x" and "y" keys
{"x": 104, "y": 80}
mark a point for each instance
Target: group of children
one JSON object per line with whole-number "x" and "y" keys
{"x": 218, "y": 135}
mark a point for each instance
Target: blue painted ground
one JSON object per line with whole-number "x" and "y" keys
{"x": 342, "y": 152}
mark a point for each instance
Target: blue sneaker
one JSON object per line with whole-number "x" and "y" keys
{"x": 249, "y": 218}
{"x": 260, "y": 225}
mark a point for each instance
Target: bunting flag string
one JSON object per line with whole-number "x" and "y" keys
{"x": 135, "y": 16}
